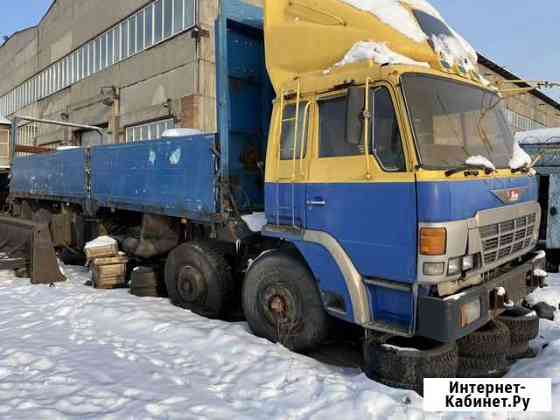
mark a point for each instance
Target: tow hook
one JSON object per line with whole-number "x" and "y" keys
{"x": 499, "y": 299}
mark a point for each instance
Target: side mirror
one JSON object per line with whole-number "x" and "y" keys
{"x": 355, "y": 104}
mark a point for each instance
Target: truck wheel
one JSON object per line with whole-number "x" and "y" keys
{"x": 404, "y": 362}
{"x": 492, "y": 339}
{"x": 281, "y": 302}
{"x": 198, "y": 278}
{"x": 483, "y": 367}
{"x": 523, "y": 326}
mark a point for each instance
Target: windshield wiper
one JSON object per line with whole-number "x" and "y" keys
{"x": 527, "y": 168}
{"x": 472, "y": 168}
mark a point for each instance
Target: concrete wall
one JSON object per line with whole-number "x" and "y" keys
{"x": 161, "y": 82}
{"x": 174, "y": 79}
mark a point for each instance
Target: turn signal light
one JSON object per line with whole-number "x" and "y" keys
{"x": 433, "y": 241}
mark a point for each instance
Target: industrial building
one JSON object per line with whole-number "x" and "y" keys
{"x": 137, "y": 67}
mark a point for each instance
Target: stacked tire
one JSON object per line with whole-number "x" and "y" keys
{"x": 523, "y": 325}
{"x": 143, "y": 282}
{"x": 404, "y": 362}
{"x": 483, "y": 353}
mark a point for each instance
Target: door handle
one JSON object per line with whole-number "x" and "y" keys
{"x": 316, "y": 203}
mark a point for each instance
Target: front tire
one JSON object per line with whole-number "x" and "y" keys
{"x": 282, "y": 303}
{"x": 199, "y": 278}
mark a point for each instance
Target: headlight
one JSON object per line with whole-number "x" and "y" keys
{"x": 468, "y": 263}
{"x": 455, "y": 266}
{"x": 434, "y": 269}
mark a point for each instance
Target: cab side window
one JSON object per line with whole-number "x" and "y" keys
{"x": 385, "y": 136}
{"x": 332, "y": 132}
{"x": 386, "y": 139}
{"x": 288, "y": 143}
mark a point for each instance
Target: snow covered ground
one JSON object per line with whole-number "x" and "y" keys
{"x": 74, "y": 352}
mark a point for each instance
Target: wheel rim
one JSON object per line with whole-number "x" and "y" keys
{"x": 279, "y": 307}
{"x": 191, "y": 284}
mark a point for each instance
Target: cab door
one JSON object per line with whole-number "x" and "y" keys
{"x": 287, "y": 186}
{"x": 366, "y": 200}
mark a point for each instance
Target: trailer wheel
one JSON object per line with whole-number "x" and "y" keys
{"x": 404, "y": 362}
{"x": 198, "y": 278}
{"x": 281, "y": 302}
{"x": 492, "y": 339}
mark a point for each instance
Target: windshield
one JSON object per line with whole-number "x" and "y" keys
{"x": 453, "y": 122}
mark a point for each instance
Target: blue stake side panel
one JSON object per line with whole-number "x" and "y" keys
{"x": 175, "y": 177}
{"x": 57, "y": 176}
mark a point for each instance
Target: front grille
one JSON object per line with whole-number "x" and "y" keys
{"x": 501, "y": 240}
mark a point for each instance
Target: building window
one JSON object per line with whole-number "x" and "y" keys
{"x": 522, "y": 123}
{"x": 167, "y": 18}
{"x": 140, "y": 31}
{"x": 177, "y": 16}
{"x": 117, "y": 43}
{"x": 132, "y": 35}
{"x": 124, "y": 40}
{"x": 149, "y": 26}
{"x": 155, "y": 23}
{"x": 158, "y": 21}
{"x": 110, "y": 55}
{"x": 150, "y": 131}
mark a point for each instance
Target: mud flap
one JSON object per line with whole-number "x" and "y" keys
{"x": 28, "y": 244}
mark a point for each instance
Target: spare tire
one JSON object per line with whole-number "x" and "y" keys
{"x": 523, "y": 326}
{"x": 493, "y": 339}
{"x": 483, "y": 367}
{"x": 404, "y": 362}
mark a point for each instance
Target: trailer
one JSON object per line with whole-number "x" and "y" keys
{"x": 337, "y": 186}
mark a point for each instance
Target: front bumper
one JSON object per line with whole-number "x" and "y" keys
{"x": 440, "y": 318}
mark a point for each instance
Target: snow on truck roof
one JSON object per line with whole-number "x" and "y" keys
{"x": 4, "y": 121}
{"x": 397, "y": 14}
{"x": 542, "y": 136}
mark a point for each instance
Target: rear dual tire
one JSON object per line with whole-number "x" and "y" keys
{"x": 199, "y": 278}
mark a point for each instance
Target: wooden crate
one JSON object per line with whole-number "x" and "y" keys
{"x": 109, "y": 282}
{"x": 119, "y": 259}
{"x": 101, "y": 247}
{"x": 103, "y": 251}
{"x": 110, "y": 270}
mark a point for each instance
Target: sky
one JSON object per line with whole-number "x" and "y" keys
{"x": 520, "y": 35}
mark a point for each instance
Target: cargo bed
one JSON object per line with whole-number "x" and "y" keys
{"x": 174, "y": 177}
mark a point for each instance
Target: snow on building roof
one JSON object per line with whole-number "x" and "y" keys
{"x": 542, "y": 136}
{"x": 4, "y": 121}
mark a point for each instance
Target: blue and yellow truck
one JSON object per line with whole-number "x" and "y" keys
{"x": 377, "y": 191}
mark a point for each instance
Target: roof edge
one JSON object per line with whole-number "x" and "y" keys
{"x": 485, "y": 61}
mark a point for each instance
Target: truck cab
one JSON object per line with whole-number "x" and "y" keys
{"x": 375, "y": 173}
